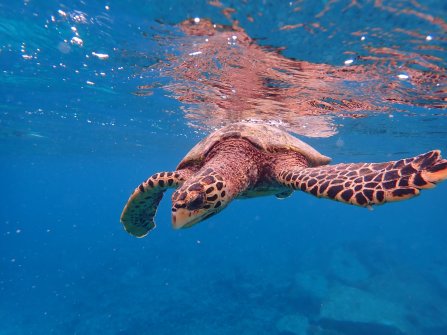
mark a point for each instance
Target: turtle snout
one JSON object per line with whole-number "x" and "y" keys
{"x": 189, "y": 206}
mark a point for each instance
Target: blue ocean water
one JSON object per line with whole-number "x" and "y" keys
{"x": 97, "y": 96}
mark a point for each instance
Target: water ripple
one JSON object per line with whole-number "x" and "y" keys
{"x": 223, "y": 75}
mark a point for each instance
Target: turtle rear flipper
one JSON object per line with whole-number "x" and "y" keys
{"x": 139, "y": 212}
{"x": 366, "y": 184}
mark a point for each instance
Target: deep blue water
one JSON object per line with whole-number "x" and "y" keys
{"x": 78, "y": 133}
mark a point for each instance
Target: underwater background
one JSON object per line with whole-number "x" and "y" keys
{"x": 97, "y": 96}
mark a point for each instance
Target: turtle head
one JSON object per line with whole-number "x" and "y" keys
{"x": 198, "y": 199}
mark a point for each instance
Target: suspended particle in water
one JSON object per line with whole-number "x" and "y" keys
{"x": 349, "y": 61}
{"x": 100, "y": 55}
{"x": 79, "y": 17}
{"x": 62, "y": 13}
{"x": 76, "y": 40}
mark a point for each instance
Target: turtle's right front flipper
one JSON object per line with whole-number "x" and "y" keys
{"x": 365, "y": 184}
{"x": 139, "y": 212}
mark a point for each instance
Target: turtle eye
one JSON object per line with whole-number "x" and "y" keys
{"x": 196, "y": 201}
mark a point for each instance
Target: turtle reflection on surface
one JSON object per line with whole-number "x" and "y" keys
{"x": 223, "y": 76}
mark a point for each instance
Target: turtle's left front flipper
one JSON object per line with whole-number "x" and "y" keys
{"x": 366, "y": 184}
{"x": 139, "y": 212}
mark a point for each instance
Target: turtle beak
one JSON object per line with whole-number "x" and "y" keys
{"x": 184, "y": 218}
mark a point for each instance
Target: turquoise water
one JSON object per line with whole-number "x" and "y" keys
{"x": 96, "y": 97}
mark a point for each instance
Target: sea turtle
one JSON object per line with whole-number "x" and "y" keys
{"x": 245, "y": 160}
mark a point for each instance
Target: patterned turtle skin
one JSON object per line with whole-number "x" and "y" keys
{"x": 246, "y": 160}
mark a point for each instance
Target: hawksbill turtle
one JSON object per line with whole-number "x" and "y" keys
{"x": 246, "y": 160}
